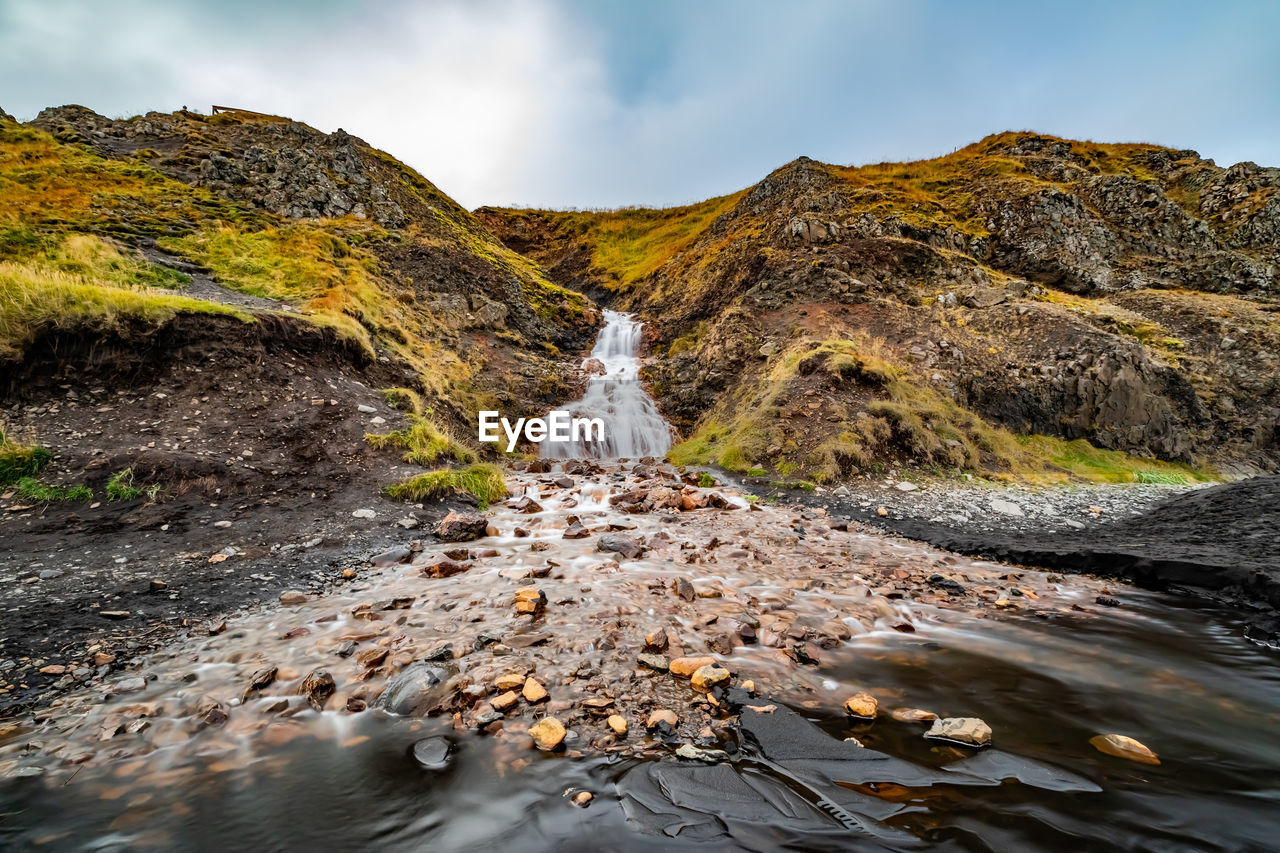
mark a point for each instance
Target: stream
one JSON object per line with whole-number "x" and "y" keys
{"x": 192, "y": 757}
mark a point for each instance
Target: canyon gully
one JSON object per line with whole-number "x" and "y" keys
{"x": 782, "y": 597}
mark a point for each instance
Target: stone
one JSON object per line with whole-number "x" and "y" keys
{"x": 365, "y": 410}
{"x": 684, "y": 589}
{"x": 657, "y": 663}
{"x": 617, "y": 544}
{"x": 509, "y": 681}
{"x": 318, "y": 686}
{"x": 157, "y": 585}
{"x": 618, "y": 724}
{"x": 462, "y": 526}
{"x": 912, "y": 715}
{"x": 689, "y": 752}
{"x": 293, "y": 596}
{"x": 1006, "y": 507}
{"x": 656, "y": 641}
{"x": 582, "y": 799}
{"x": 685, "y": 667}
{"x": 442, "y": 567}
{"x": 222, "y": 524}
{"x": 530, "y": 601}
{"x": 1121, "y": 746}
{"x": 116, "y": 615}
{"x": 129, "y": 685}
{"x": 211, "y": 712}
{"x": 906, "y": 487}
{"x": 861, "y": 705}
{"x": 525, "y": 504}
{"x": 504, "y": 702}
{"x": 966, "y": 731}
{"x": 575, "y": 530}
{"x": 363, "y": 513}
{"x": 408, "y": 522}
{"x": 432, "y": 753}
{"x": 533, "y": 691}
{"x": 548, "y": 733}
{"x": 707, "y": 677}
{"x": 416, "y": 690}
{"x": 660, "y": 717}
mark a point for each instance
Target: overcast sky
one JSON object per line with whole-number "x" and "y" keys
{"x": 609, "y": 103}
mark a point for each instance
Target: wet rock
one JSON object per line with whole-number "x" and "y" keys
{"x": 1106, "y": 601}
{"x": 912, "y": 715}
{"x": 261, "y": 678}
{"x": 419, "y": 688}
{"x": 505, "y": 701}
{"x": 509, "y": 681}
{"x": 656, "y": 642}
{"x": 689, "y": 752}
{"x": 617, "y": 544}
{"x": 684, "y": 589}
{"x": 433, "y": 753}
{"x": 530, "y": 601}
{"x": 575, "y": 530}
{"x": 1121, "y": 746}
{"x": 548, "y": 733}
{"x": 662, "y": 717}
{"x": 129, "y": 685}
{"x": 442, "y": 567}
{"x": 705, "y": 678}
{"x": 525, "y": 504}
{"x": 582, "y": 799}
{"x": 211, "y": 712}
{"x": 861, "y": 705}
{"x": 318, "y": 686}
{"x": 967, "y": 731}
{"x": 462, "y": 526}
{"x": 946, "y": 584}
{"x": 657, "y": 663}
{"x": 685, "y": 667}
{"x": 618, "y": 724}
{"x": 293, "y": 596}
{"x": 533, "y": 691}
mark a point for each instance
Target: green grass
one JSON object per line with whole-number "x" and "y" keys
{"x": 1084, "y": 461}
{"x": 423, "y": 442}
{"x": 31, "y": 489}
{"x": 484, "y": 481}
{"x": 121, "y": 486}
{"x": 18, "y": 460}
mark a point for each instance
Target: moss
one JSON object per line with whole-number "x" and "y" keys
{"x": 19, "y": 460}
{"x": 121, "y": 486}
{"x": 485, "y": 482}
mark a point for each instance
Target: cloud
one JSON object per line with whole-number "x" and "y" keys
{"x": 598, "y": 103}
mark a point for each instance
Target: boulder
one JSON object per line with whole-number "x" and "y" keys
{"x": 462, "y": 526}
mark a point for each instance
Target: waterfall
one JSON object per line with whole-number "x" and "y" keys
{"x": 633, "y": 426}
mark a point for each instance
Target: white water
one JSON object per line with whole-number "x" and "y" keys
{"x": 633, "y": 426}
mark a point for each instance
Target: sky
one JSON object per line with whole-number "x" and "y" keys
{"x": 602, "y": 103}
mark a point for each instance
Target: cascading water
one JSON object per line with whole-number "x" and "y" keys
{"x": 633, "y": 427}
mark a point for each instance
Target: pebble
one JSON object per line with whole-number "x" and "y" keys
{"x": 685, "y": 667}
{"x": 912, "y": 715}
{"x": 617, "y": 723}
{"x": 661, "y": 716}
{"x": 293, "y": 596}
{"x": 505, "y": 701}
{"x": 658, "y": 663}
{"x": 689, "y": 752}
{"x": 1006, "y": 507}
{"x": 582, "y": 799}
{"x": 861, "y": 705}
{"x": 1121, "y": 746}
{"x": 548, "y": 733}
{"x": 363, "y": 513}
{"x": 967, "y": 731}
{"x": 432, "y": 753}
{"x": 533, "y": 691}
{"x": 707, "y": 677}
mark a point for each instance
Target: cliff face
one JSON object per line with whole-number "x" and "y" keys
{"x": 1123, "y": 294}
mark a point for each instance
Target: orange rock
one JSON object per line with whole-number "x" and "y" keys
{"x": 533, "y": 691}
{"x": 662, "y": 716}
{"x": 617, "y": 723}
{"x": 548, "y": 733}
{"x": 861, "y": 705}
{"x": 686, "y": 667}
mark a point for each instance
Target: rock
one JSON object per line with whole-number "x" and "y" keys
{"x": 509, "y": 681}
{"x": 906, "y": 487}
{"x": 53, "y": 669}
{"x": 657, "y": 663}
{"x": 967, "y": 731}
{"x": 1106, "y": 601}
{"x": 116, "y": 615}
{"x": 504, "y": 702}
{"x": 618, "y": 724}
{"x": 684, "y": 589}
{"x": 548, "y": 733}
{"x": 318, "y": 686}
{"x": 1124, "y": 747}
{"x": 462, "y": 526}
{"x": 129, "y": 685}
{"x": 432, "y": 753}
{"x": 946, "y": 584}
{"x": 862, "y": 705}
{"x": 103, "y": 659}
{"x": 1006, "y": 507}
{"x": 442, "y": 567}
{"x": 293, "y": 596}
{"x": 408, "y": 522}
{"x": 261, "y": 678}
{"x": 656, "y": 641}
{"x": 685, "y": 667}
{"x": 705, "y": 678}
{"x": 530, "y": 601}
{"x": 661, "y": 717}
{"x": 533, "y": 691}
{"x": 157, "y": 585}
{"x": 211, "y": 712}
{"x": 582, "y": 799}
{"x": 575, "y": 530}
{"x": 689, "y": 752}
{"x": 593, "y": 367}
{"x": 365, "y": 410}
{"x": 416, "y": 690}
{"x": 363, "y": 513}
{"x": 222, "y": 524}
{"x": 883, "y": 512}
{"x": 614, "y": 543}
{"x": 912, "y": 715}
